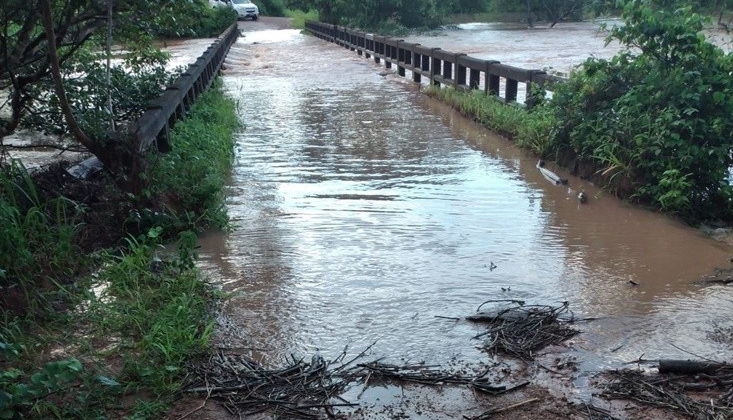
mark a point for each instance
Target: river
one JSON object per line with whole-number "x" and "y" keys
{"x": 363, "y": 212}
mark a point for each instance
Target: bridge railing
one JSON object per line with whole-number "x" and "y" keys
{"x": 155, "y": 123}
{"x": 437, "y": 66}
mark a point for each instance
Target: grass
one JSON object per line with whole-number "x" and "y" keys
{"x": 188, "y": 180}
{"x": 36, "y": 246}
{"x": 124, "y": 352}
{"x": 299, "y": 17}
{"x": 114, "y": 343}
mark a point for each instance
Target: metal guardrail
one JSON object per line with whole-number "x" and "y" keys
{"x": 162, "y": 114}
{"x": 438, "y": 66}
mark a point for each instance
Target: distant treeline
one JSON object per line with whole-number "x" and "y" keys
{"x": 388, "y": 15}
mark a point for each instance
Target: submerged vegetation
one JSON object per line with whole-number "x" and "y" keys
{"x": 652, "y": 124}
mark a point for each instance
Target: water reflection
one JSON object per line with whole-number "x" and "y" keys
{"x": 363, "y": 210}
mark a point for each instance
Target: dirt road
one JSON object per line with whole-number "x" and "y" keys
{"x": 266, "y": 23}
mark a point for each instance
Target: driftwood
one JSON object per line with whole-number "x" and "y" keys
{"x": 676, "y": 392}
{"x": 692, "y": 367}
{"x": 302, "y": 390}
{"x": 522, "y": 330}
{"x": 298, "y": 390}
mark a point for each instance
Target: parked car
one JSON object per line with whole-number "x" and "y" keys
{"x": 246, "y": 9}
{"x": 219, "y": 3}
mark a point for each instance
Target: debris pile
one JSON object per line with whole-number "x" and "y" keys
{"x": 521, "y": 330}
{"x": 707, "y": 394}
{"x": 298, "y": 390}
{"x": 313, "y": 390}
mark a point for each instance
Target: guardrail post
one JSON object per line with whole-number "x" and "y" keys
{"x": 368, "y": 45}
{"x": 510, "y": 92}
{"x": 474, "y": 78}
{"x": 416, "y": 64}
{"x": 400, "y": 59}
{"x": 360, "y": 43}
{"x": 492, "y": 81}
{"x": 434, "y": 67}
{"x": 460, "y": 78}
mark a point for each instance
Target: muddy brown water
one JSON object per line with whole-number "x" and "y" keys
{"x": 363, "y": 212}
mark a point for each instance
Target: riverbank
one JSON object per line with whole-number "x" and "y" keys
{"x": 103, "y": 306}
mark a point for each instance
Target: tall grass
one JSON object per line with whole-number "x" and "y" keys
{"x": 188, "y": 181}
{"x": 300, "y": 17}
{"x": 37, "y": 242}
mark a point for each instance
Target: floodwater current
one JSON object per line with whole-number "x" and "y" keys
{"x": 364, "y": 213}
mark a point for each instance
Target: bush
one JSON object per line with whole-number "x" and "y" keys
{"x": 138, "y": 80}
{"x": 188, "y": 180}
{"x": 193, "y": 19}
{"x": 299, "y": 17}
{"x": 658, "y": 116}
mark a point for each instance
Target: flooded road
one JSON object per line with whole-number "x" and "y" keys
{"x": 364, "y": 212}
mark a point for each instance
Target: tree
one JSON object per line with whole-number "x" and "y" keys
{"x": 374, "y": 14}
{"x": 658, "y": 115}
{"x": 44, "y": 48}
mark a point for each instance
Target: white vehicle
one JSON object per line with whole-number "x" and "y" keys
{"x": 218, "y": 3}
{"x": 246, "y": 9}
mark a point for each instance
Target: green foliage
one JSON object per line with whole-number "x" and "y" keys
{"x": 36, "y": 245}
{"x": 137, "y": 80}
{"x": 658, "y": 116}
{"x": 149, "y": 313}
{"x": 384, "y": 16}
{"x": 82, "y": 28}
{"x": 189, "y": 179}
{"x": 299, "y": 17}
{"x": 190, "y": 19}
{"x": 158, "y": 308}
{"x": 20, "y": 394}
{"x": 271, "y": 7}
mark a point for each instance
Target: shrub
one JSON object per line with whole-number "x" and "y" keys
{"x": 657, "y": 116}
{"x": 188, "y": 181}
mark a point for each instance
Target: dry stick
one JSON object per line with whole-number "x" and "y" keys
{"x": 452, "y": 318}
{"x": 692, "y": 354}
{"x": 366, "y": 382}
{"x": 518, "y": 302}
{"x": 363, "y": 352}
{"x": 203, "y": 404}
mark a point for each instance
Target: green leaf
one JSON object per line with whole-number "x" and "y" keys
{"x": 107, "y": 381}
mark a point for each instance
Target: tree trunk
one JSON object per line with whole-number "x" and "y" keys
{"x": 529, "y": 14}
{"x": 58, "y": 84}
{"x": 117, "y": 156}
